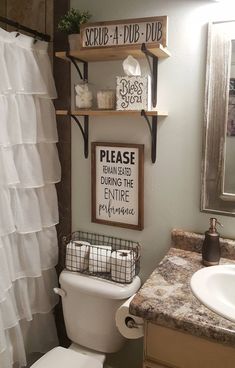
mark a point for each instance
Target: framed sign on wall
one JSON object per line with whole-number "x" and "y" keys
{"x": 125, "y": 32}
{"x": 117, "y": 182}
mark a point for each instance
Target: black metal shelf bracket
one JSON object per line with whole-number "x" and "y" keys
{"x": 85, "y": 132}
{"x": 154, "y": 71}
{"x": 153, "y": 131}
{"x": 74, "y": 60}
{"x": 84, "y": 76}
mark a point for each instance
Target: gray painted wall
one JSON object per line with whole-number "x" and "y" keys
{"x": 172, "y": 185}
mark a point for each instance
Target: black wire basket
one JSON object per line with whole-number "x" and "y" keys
{"x": 102, "y": 256}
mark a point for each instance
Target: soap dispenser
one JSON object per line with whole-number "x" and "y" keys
{"x": 211, "y": 245}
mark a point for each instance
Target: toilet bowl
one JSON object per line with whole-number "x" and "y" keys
{"x": 89, "y": 308}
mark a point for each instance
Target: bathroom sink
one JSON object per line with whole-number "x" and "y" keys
{"x": 215, "y": 287}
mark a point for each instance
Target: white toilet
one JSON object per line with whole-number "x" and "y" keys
{"x": 89, "y": 307}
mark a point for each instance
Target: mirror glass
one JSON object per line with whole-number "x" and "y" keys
{"x": 229, "y": 165}
{"x": 218, "y": 166}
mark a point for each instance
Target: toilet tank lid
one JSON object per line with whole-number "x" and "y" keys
{"x": 100, "y": 287}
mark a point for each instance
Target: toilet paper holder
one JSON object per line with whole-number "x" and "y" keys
{"x": 131, "y": 323}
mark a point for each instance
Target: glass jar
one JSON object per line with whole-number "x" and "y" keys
{"x": 106, "y": 99}
{"x": 83, "y": 96}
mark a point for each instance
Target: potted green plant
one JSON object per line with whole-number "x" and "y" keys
{"x": 70, "y": 24}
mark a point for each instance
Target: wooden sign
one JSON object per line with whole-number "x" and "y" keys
{"x": 125, "y": 32}
{"x": 117, "y": 184}
{"x": 133, "y": 93}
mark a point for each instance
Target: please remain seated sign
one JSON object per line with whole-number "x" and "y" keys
{"x": 117, "y": 184}
{"x": 125, "y": 32}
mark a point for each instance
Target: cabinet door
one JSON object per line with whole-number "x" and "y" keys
{"x": 177, "y": 349}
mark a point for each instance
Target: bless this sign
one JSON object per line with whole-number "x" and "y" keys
{"x": 117, "y": 184}
{"x": 125, "y": 32}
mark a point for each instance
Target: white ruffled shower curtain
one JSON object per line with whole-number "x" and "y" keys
{"x": 29, "y": 169}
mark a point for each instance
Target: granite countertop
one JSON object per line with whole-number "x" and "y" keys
{"x": 166, "y": 299}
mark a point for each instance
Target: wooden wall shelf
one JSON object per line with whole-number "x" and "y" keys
{"x": 117, "y": 53}
{"x": 133, "y": 113}
{"x": 113, "y": 53}
{"x": 152, "y": 125}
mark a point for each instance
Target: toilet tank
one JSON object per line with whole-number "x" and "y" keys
{"x": 89, "y": 308}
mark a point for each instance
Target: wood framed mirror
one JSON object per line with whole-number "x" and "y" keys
{"x": 218, "y": 168}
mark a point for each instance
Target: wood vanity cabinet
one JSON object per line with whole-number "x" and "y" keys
{"x": 165, "y": 347}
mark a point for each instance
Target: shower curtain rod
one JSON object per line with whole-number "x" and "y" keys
{"x": 18, "y": 26}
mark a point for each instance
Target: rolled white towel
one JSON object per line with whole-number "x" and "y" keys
{"x": 77, "y": 253}
{"x": 123, "y": 265}
{"x": 99, "y": 258}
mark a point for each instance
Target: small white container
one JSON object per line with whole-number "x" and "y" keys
{"x": 74, "y": 41}
{"x": 106, "y": 99}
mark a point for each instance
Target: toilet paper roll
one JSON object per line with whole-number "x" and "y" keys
{"x": 77, "y": 253}
{"x": 130, "y": 326}
{"x": 99, "y": 258}
{"x": 123, "y": 265}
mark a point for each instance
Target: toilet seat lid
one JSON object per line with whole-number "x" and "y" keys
{"x": 65, "y": 358}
